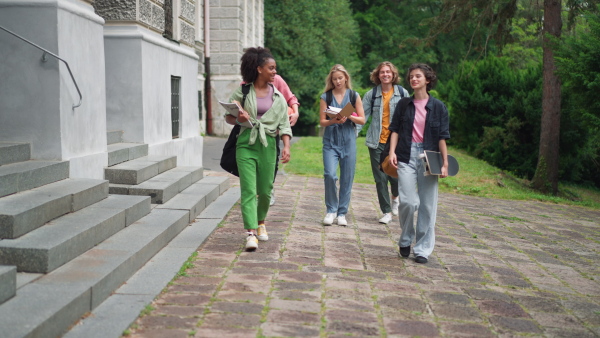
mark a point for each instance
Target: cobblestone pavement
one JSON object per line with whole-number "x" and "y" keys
{"x": 499, "y": 269}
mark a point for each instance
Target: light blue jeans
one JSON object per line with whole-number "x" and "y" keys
{"x": 417, "y": 193}
{"x": 339, "y": 147}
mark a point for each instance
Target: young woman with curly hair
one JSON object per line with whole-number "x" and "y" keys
{"x": 256, "y": 151}
{"x": 420, "y": 125}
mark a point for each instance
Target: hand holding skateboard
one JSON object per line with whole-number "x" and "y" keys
{"x": 432, "y": 160}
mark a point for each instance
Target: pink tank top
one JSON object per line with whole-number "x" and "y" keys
{"x": 264, "y": 103}
{"x": 419, "y": 124}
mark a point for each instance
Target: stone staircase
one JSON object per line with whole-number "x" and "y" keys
{"x": 67, "y": 244}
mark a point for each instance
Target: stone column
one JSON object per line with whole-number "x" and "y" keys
{"x": 235, "y": 25}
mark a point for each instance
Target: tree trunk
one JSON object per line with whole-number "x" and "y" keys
{"x": 546, "y": 173}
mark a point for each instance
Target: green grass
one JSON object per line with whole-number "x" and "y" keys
{"x": 476, "y": 177}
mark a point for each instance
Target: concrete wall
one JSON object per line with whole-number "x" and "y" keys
{"x": 140, "y": 64}
{"x": 36, "y": 97}
{"x": 234, "y": 25}
{"x": 124, "y": 104}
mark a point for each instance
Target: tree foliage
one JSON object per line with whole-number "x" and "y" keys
{"x": 486, "y": 21}
{"x": 487, "y": 53}
{"x": 390, "y": 31}
{"x": 578, "y": 59}
{"x": 579, "y": 68}
{"x": 307, "y": 38}
{"x": 399, "y": 32}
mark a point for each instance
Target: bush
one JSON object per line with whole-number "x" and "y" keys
{"x": 495, "y": 113}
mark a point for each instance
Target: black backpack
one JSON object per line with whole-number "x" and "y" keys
{"x": 228, "y": 161}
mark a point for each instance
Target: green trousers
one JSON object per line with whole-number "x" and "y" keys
{"x": 256, "y": 165}
{"x": 381, "y": 180}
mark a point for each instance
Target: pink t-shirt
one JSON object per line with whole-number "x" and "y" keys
{"x": 419, "y": 124}
{"x": 280, "y": 84}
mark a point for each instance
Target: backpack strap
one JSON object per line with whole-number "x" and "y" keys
{"x": 237, "y": 128}
{"x": 400, "y": 90}
{"x": 353, "y": 98}
{"x": 373, "y": 97}
{"x": 245, "y": 91}
{"x": 328, "y": 97}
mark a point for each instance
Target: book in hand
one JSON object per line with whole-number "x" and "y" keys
{"x": 234, "y": 108}
{"x": 346, "y": 111}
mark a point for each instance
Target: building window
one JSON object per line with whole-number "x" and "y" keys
{"x": 168, "y": 33}
{"x": 175, "y": 100}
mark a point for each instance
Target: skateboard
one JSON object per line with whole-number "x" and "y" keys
{"x": 433, "y": 163}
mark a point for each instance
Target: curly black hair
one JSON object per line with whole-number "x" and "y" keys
{"x": 427, "y": 71}
{"x": 253, "y": 58}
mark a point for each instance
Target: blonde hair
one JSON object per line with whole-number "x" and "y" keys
{"x": 375, "y": 73}
{"x": 337, "y": 68}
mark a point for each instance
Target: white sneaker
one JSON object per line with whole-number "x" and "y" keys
{"x": 341, "y": 220}
{"x": 251, "y": 242}
{"x": 261, "y": 233}
{"x": 395, "y": 205}
{"x": 272, "y": 202}
{"x": 386, "y": 218}
{"x": 329, "y": 218}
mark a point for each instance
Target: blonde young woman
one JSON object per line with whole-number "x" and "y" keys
{"x": 339, "y": 143}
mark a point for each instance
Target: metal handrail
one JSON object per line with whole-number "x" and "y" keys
{"x": 44, "y": 60}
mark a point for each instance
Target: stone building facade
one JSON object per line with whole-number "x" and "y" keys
{"x": 151, "y": 57}
{"x": 126, "y": 57}
{"x": 234, "y": 26}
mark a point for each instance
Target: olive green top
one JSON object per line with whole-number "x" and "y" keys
{"x": 275, "y": 119}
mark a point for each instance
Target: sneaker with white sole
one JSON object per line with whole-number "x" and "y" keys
{"x": 341, "y": 220}
{"x": 251, "y": 242}
{"x": 395, "y": 205}
{"x": 386, "y": 218}
{"x": 328, "y": 220}
{"x": 262, "y": 233}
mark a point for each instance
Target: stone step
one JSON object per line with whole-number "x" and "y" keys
{"x": 22, "y": 176}
{"x": 114, "y": 136}
{"x": 58, "y": 241}
{"x": 123, "y": 307}
{"x": 8, "y": 282}
{"x": 55, "y": 301}
{"x": 139, "y": 170}
{"x": 123, "y": 152}
{"x": 163, "y": 187}
{"x": 28, "y": 210}
{"x": 198, "y": 196}
{"x": 14, "y": 152}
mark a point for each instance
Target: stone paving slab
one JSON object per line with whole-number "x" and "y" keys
{"x": 499, "y": 269}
